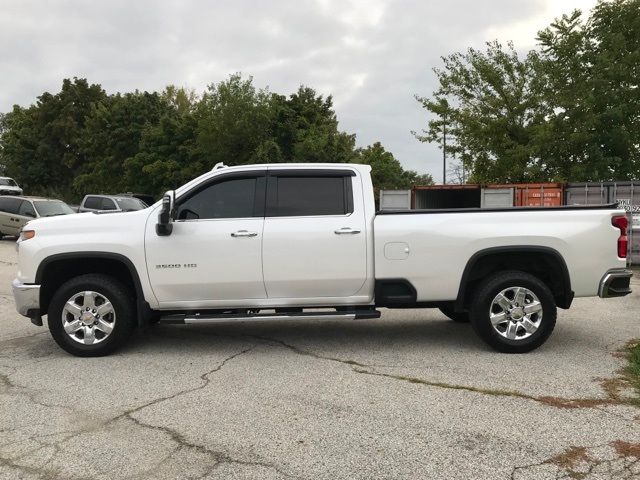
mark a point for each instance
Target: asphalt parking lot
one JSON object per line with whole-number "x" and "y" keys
{"x": 410, "y": 395}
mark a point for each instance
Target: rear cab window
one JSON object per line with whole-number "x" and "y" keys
{"x": 298, "y": 193}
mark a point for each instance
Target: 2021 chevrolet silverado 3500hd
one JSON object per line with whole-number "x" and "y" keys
{"x": 303, "y": 240}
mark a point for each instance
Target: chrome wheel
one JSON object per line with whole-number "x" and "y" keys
{"x": 88, "y": 317}
{"x": 516, "y": 313}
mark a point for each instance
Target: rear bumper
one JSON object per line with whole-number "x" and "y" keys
{"x": 615, "y": 283}
{"x": 27, "y": 298}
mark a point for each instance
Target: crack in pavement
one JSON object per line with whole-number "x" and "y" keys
{"x": 13, "y": 339}
{"x": 308, "y": 353}
{"x": 578, "y": 463}
{"x": 205, "y": 381}
{"x": 218, "y": 457}
{"x": 9, "y": 387}
{"x": 556, "y": 402}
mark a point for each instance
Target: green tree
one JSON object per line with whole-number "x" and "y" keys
{"x": 233, "y": 121}
{"x": 41, "y": 144}
{"x": 387, "y": 172}
{"x": 589, "y": 69}
{"x": 168, "y": 156}
{"x": 112, "y": 134}
{"x": 305, "y": 128}
{"x": 82, "y": 140}
{"x": 488, "y": 102}
{"x": 569, "y": 110}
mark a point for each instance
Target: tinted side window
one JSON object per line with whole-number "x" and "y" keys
{"x": 10, "y": 205}
{"x": 26, "y": 209}
{"x": 303, "y": 196}
{"x": 92, "y": 202}
{"x": 108, "y": 204}
{"x": 232, "y": 198}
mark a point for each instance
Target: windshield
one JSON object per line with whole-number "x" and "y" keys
{"x": 50, "y": 208}
{"x": 8, "y": 182}
{"x": 130, "y": 204}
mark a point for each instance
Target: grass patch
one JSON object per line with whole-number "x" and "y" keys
{"x": 633, "y": 369}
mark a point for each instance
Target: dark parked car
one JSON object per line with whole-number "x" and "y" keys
{"x": 111, "y": 203}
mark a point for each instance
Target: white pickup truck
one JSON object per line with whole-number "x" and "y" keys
{"x": 261, "y": 242}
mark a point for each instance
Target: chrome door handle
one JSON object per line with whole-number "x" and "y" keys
{"x": 244, "y": 233}
{"x": 346, "y": 231}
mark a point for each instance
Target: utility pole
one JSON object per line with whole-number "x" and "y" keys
{"x": 444, "y": 150}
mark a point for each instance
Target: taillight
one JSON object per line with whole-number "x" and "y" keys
{"x": 621, "y": 222}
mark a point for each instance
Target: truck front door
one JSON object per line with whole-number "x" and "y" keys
{"x": 213, "y": 257}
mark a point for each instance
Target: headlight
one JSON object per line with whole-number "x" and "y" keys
{"x": 26, "y": 235}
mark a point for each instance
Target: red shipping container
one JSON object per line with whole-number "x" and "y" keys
{"x": 539, "y": 195}
{"x": 536, "y": 194}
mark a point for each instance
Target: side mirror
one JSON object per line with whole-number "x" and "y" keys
{"x": 166, "y": 216}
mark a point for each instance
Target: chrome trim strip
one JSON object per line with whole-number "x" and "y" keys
{"x": 266, "y": 318}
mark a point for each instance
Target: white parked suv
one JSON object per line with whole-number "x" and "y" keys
{"x": 8, "y": 186}
{"x": 260, "y": 242}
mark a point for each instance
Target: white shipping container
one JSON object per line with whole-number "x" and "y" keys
{"x": 496, "y": 197}
{"x": 395, "y": 199}
{"x": 627, "y": 194}
{"x": 587, "y": 194}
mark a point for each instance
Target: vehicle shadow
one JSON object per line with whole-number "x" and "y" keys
{"x": 359, "y": 335}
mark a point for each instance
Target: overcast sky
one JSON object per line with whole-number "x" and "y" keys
{"x": 371, "y": 55}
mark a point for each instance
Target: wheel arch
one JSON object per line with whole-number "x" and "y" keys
{"x": 545, "y": 263}
{"x": 58, "y": 268}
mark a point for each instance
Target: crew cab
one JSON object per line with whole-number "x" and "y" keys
{"x": 266, "y": 242}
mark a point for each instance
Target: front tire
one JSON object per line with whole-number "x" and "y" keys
{"x": 91, "y": 315}
{"x": 513, "y": 312}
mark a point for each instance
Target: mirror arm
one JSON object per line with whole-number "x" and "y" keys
{"x": 164, "y": 227}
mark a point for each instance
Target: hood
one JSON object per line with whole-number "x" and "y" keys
{"x": 89, "y": 222}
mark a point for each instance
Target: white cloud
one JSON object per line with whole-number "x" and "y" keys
{"x": 371, "y": 55}
{"x": 523, "y": 33}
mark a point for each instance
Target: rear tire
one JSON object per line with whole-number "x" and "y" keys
{"x": 458, "y": 317}
{"x": 513, "y": 312}
{"x": 91, "y": 315}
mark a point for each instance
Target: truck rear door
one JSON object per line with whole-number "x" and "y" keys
{"x": 314, "y": 240}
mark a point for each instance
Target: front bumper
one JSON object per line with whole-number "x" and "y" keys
{"x": 615, "y": 283}
{"x": 27, "y": 298}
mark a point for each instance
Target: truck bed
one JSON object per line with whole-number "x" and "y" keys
{"x": 430, "y": 249}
